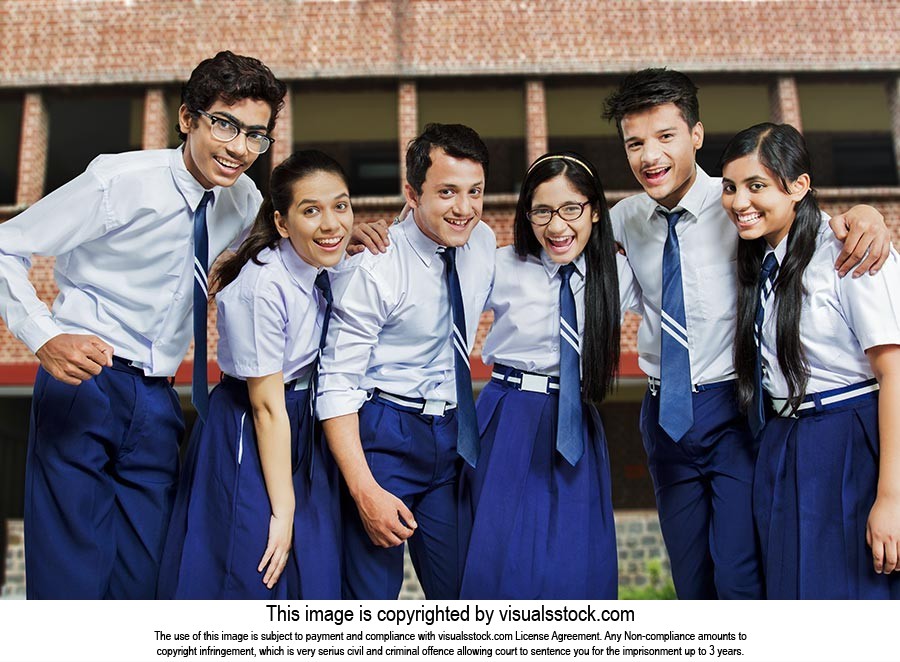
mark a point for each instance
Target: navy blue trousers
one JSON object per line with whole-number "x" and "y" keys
{"x": 413, "y": 457}
{"x": 704, "y": 486}
{"x": 99, "y": 485}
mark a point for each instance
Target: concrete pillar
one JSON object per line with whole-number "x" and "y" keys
{"x": 785, "y": 102}
{"x": 283, "y": 132}
{"x": 894, "y": 106}
{"x": 33, "y": 150}
{"x": 156, "y": 120}
{"x": 408, "y": 121}
{"x": 535, "y": 120}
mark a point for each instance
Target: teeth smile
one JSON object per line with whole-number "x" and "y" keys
{"x": 749, "y": 217}
{"x": 655, "y": 172}
{"x": 457, "y": 223}
{"x": 227, "y": 163}
{"x": 560, "y": 241}
{"x": 332, "y": 241}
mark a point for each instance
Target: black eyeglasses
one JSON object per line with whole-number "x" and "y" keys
{"x": 569, "y": 212}
{"x": 225, "y": 131}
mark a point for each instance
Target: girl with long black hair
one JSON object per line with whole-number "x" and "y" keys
{"x": 818, "y": 363}
{"x": 537, "y": 507}
{"x": 257, "y": 510}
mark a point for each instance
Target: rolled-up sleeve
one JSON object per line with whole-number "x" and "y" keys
{"x": 361, "y": 308}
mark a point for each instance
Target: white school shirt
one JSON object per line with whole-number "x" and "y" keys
{"x": 270, "y": 317}
{"x": 390, "y": 326}
{"x": 708, "y": 245}
{"x": 840, "y": 318}
{"x": 525, "y": 301}
{"x": 123, "y": 234}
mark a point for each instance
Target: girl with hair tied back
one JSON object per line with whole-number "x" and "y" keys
{"x": 257, "y": 510}
{"x": 818, "y": 364}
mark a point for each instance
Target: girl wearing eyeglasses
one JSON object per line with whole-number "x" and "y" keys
{"x": 812, "y": 352}
{"x": 537, "y": 508}
{"x": 257, "y": 512}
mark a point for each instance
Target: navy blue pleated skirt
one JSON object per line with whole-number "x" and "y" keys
{"x": 220, "y": 524}
{"x": 536, "y": 527}
{"x": 814, "y": 486}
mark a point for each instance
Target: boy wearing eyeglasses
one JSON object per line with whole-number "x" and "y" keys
{"x": 133, "y": 236}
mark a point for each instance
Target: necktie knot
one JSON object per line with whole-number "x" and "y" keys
{"x": 769, "y": 268}
{"x": 672, "y": 217}
{"x": 207, "y": 196}
{"x": 323, "y": 283}
{"x": 566, "y": 271}
{"x": 448, "y": 255}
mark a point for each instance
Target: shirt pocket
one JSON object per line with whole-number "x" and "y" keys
{"x": 717, "y": 291}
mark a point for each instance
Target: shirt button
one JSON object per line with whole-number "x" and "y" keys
{"x": 554, "y": 348}
{"x": 178, "y": 296}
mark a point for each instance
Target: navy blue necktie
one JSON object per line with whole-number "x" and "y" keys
{"x": 766, "y": 286}
{"x": 569, "y": 434}
{"x": 676, "y": 412}
{"x": 323, "y": 283}
{"x": 468, "y": 443}
{"x": 199, "y": 388}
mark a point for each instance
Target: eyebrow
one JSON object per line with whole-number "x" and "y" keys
{"x": 234, "y": 120}
{"x": 306, "y": 201}
{"x": 449, "y": 185}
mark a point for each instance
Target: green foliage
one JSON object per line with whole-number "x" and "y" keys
{"x": 657, "y": 588}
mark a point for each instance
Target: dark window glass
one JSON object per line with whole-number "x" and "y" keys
{"x": 10, "y": 135}
{"x": 84, "y": 125}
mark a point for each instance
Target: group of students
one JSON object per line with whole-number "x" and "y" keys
{"x": 344, "y": 424}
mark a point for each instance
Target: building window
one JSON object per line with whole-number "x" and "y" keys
{"x": 847, "y": 127}
{"x": 10, "y": 135}
{"x": 84, "y": 124}
{"x": 496, "y": 112}
{"x": 725, "y": 110}
{"x": 575, "y": 123}
{"x": 358, "y": 127}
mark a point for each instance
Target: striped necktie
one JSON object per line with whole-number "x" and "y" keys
{"x": 323, "y": 284}
{"x": 569, "y": 434}
{"x": 676, "y": 412}
{"x": 767, "y": 276}
{"x": 199, "y": 387}
{"x": 468, "y": 442}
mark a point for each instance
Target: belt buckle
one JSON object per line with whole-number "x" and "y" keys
{"x": 434, "y": 408}
{"x": 535, "y": 383}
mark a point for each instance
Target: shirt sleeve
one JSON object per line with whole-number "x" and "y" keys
{"x": 630, "y": 296}
{"x": 871, "y": 304}
{"x": 73, "y": 214}
{"x": 359, "y": 313}
{"x": 256, "y": 329}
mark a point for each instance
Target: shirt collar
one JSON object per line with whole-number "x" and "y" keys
{"x": 187, "y": 185}
{"x": 552, "y": 268}
{"x": 694, "y": 200}
{"x": 300, "y": 271}
{"x": 780, "y": 250}
{"x": 424, "y": 247}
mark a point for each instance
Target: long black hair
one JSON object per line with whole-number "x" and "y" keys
{"x": 782, "y": 150}
{"x": 263, "y": 233}
{"x": 602, "y": 313}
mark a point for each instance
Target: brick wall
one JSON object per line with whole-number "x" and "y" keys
{"x": 116, "y": 41}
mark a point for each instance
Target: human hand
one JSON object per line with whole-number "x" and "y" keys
{"x": 373, "y": 236}
{"x": 867, "y": 240}
{"x": 73, "y": 358}
{"x": 281, "y": 532}
{"x": 883, "y": 534}
{"x": 386, "y": 518}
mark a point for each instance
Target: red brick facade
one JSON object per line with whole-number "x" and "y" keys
{"x": 111, "y": 42}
